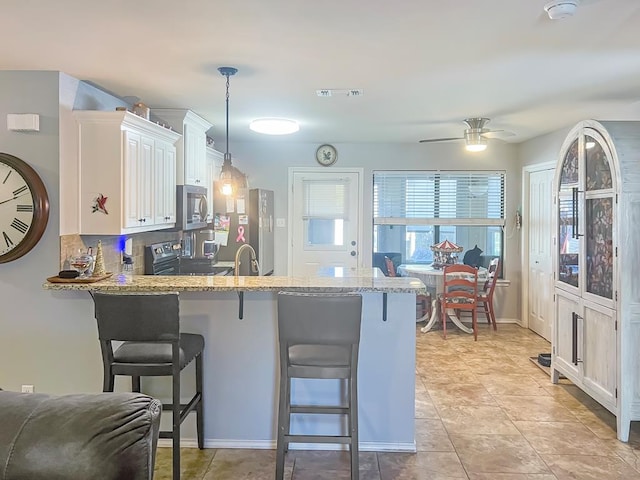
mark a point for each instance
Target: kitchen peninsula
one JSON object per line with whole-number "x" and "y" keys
{"x": 241, "y": 359}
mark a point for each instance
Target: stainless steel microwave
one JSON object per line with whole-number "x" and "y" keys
{"x": 191, "y": 207}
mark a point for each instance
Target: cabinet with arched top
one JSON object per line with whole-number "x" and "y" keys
{"x": 596, "y": 326}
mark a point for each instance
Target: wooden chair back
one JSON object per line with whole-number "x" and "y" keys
{"x": 460, "y": 290}
{"x": 492, "y": 278}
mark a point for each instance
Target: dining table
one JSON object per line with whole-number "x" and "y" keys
{"x": 433, "y": 279}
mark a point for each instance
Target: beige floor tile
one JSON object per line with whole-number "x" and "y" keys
{"x": 431, "y": 378}
{"x": 460, "y": 394}
{"x": 599, "y": 420}
{"x": 476, "y": 420}
{"x": 629, "y": 452}
{"x": 332, "y": 460}
{"x": 302, "y": 474}
{"x": 431, "y": 436}
{"x": 498, "y": 454}
{"x": 232, "y": 464}
{"x": 193, "y": 463}
{"x": 420, "y": 466}
{"x": 425, "y": 408}
{"x": 583, "y": 467}
{"x": 534, "y": 408}
{"x": 511, "y": 476}
{"x": 563, "y": 438}
{"x": 512, "y": 384}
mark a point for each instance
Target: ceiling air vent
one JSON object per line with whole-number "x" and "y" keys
{"x": 333, "y": 92}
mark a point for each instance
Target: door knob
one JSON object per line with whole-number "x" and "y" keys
{"x": 353, "y": 253}
{"x": 353, "y": 243}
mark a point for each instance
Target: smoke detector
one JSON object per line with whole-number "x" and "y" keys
{"x": 559, "y": 9}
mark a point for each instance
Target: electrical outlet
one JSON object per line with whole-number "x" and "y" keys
{"x": 28, "y": 389}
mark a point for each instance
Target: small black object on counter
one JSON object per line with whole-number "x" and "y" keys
{"x": 68, "y": 274}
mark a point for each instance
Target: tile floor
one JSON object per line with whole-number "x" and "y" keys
{"x": 483, "y": 412}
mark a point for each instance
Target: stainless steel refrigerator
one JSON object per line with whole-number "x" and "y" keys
{"x": 250, "y": 216}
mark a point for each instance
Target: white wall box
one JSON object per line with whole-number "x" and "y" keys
{"x": 192, "y": 147}
{"x": 596, "y": 327}
{"x": 132, "y": 162}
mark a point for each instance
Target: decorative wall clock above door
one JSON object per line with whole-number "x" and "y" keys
{"x": 24, "y": 208}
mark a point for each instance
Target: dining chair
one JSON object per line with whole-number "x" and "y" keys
{"x": 485, "y": 297}
{"x": 423, "y": 300}
{"x": 459, "y": 293}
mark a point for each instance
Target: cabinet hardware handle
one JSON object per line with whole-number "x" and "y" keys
{"x": 574, "y": 338}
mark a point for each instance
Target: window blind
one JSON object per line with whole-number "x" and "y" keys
{"x": 325, "y": 199}
{"x": 438, "y": 198}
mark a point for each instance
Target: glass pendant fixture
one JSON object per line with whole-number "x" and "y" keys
{"x": 227, "y": 181}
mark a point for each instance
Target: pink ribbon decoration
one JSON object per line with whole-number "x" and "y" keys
{"x": 240, "y": 237}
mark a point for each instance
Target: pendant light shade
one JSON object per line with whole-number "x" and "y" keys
{"x": 227, "y": 180}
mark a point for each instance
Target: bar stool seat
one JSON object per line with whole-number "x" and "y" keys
{"x": 158, "y": 354}
{"x": 319, "y": 338}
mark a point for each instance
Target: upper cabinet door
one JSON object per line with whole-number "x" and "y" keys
{"x": 599, "y": 216}
{"x": 568, "y": 214}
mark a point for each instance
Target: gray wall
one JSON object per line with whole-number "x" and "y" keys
{"x": 46, "y": 340}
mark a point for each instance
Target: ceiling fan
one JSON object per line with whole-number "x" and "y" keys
{"x": 475, "y": 135}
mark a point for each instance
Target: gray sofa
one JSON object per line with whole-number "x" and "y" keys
{"x": 107, "y": 436}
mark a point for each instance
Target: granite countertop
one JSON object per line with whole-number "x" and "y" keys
{"x": 350, "y": 280}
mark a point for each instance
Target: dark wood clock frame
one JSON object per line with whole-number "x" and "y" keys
{"x": 40, "y": 207}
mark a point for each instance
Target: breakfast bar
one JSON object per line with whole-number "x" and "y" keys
{"x": 241, "y": 354}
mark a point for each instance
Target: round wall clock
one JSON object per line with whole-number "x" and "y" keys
{"x": 326, "y": 155}
{"x": 24, "y": 208}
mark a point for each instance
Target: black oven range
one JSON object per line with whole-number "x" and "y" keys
{"x": 165, "y": 259}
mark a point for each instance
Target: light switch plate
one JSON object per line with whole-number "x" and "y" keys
{"x": 280, "y": 222}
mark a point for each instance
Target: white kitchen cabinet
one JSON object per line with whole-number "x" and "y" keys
{"x": 165, "y": 183}
{"x": 120, "y": 159}
{"x": 191, "y": 148}
{"x": 596, "y": 256}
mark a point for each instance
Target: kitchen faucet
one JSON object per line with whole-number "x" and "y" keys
{"x": 255, "y": 266}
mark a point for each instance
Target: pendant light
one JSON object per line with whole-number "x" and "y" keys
{"x": 227, "y": 181}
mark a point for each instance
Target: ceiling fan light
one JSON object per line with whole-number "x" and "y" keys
{"x": 274, "y": 126}
{"x": 476, "y": 147}
{"x": 474, "y": 140}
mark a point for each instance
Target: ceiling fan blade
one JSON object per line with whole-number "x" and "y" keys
{"x": 497, "y": 134}
{"x": 431, "y": 140}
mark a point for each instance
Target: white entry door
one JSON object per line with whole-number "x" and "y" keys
{"x": 325, "y": 210}
{"x": 540, "y": 227}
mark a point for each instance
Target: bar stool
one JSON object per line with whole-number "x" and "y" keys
{"x": 319, "y": 337}
{"x": 149, "y": 326}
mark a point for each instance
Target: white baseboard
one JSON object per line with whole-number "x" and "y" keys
{"x": 271, "y": 445}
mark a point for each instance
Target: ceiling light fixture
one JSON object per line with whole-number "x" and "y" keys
{"x": 227, "y": 183}
{"x": 274, "y": 126}
{"x": 474, "y": 140}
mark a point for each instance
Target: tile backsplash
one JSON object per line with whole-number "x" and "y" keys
{"x": 71, "y": 245}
